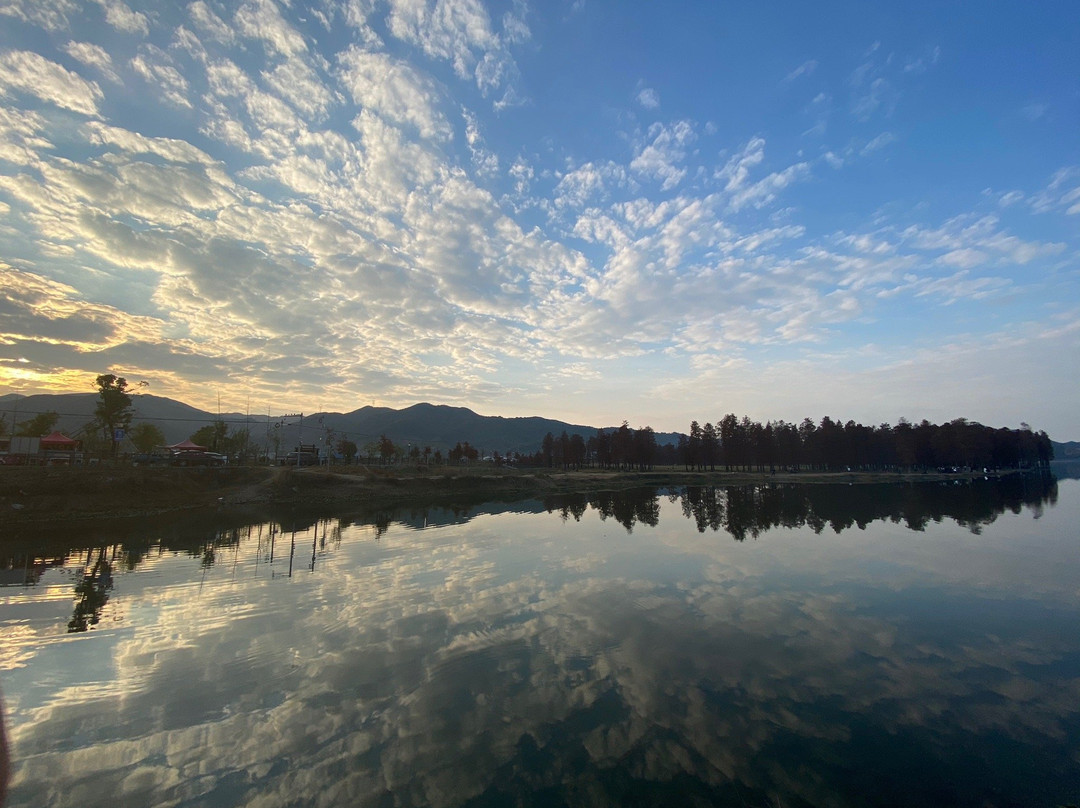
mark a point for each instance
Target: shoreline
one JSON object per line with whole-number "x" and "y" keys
{"x": 31, "y": 495}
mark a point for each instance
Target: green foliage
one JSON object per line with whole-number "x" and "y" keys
{"x": 217, "y": 438}
{"x": 113, "y": 410}
{"x": 93, "y": 440}
{"x": 212, "y": 436}
{"x": 347, "y": 449}
{"x": 146, "y": 437}
{"x": 40, "y": 425}
{"x": 238, "y": 444}
{"x": 463, "y": 452}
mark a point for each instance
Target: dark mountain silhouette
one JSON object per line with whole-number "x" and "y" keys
{"x": 1069, "y": 450}
{"x": 437, "y": 426}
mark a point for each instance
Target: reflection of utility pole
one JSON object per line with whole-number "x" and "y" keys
{"x": 292, "y": 550}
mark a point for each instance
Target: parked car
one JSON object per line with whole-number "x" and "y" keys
{"x": 152, "y": 459}
{"x": 195, "y": 458}
{"x": 300, "y": 459}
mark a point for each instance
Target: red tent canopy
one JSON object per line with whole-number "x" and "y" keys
{"x": 187, "y": 446}
{"x": 57, "y": 440}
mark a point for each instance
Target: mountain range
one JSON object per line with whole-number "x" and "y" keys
{"x": 437, "y": 426}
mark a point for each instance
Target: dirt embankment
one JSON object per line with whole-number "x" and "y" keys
{"x": 34, "y": 494}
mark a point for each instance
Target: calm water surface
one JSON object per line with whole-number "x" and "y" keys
{"x": 814, "y": 645}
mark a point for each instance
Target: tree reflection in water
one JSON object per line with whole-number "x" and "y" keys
{"x": 513, "y": 662}
{"x": 92, "y": 592}
{"x": 747, "y": 511}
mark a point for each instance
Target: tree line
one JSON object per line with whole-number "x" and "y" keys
{"x": 621, "y": 448}
{"x": 741, "y": 444}
{"x": 732, "y": 443}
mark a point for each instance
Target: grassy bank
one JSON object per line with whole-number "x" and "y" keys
{"x": 34, "y": 494}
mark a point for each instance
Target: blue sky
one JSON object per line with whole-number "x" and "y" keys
{"x": 593, "y": 211}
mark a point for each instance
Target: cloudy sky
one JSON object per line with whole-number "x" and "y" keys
{"x": 581, "y": 209}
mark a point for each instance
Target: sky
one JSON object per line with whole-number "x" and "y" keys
{"x": 591, "y": 211}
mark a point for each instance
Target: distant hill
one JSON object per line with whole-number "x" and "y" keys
{"x": 76, "y": 410}
{"x": 437, "y": 426}
{"x": 1066, "y": 451}
{"x": 440, "y": 427}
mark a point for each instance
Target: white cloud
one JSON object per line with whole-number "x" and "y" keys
{"x": 523, "y": 175}
{"x": 153, "y": 64}
{"x": 866, "y": 104}
{"x": 965, "y": 257}
{"x": 922, "y": 63}
{"x": 299, "y": 83}
{"x": 33, "y": 74}
{"x": 737, "y": 169}
{"x": 170, "y": 149}
{"x": 460, "y": 32}
{"x": 41, "y": 311}
{"x": 805, "y": 69}
{"x": 879, "y": 142}
{"x": 413, "y": 223}
{"x": 968, "y": 239}
{"x": 649, "y": 98}
{"x": 52, "y": 15}
{"x": 659, "y": 159}
{"x": 93, "y": 56}
{"x": 394, "y": 90}
{"x": 589, "y": 182}
{"x": 22, "y": 137}
{"x": 122, "y": 18}
{"x": 484, "y": 161}
{"x": 1062, "y": 192}
{"x": 961, "y": 286}
{"x": 261, "y": 20}
{"x": 210, "y": 23}
{"x": 764, "y": 191}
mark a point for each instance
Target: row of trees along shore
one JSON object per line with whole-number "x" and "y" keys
{"x": 735, "y": 444}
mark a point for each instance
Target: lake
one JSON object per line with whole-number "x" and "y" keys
{"x": 786, "y": 645}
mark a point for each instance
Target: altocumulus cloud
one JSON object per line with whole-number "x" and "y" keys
{"x": 345, "y": 200}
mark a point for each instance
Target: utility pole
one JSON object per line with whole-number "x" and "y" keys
{"x": 299, "y": 434}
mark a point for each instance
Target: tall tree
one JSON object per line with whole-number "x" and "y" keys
{"x": 622, "y": 446}
{"x": 347, "y": 449}
{"x": 113, "y": 411}
{"x": 729, "y": 440}
{"x": 578, "y": 450}
{"x": 547, "y": 448}
{"x": 710, "y": 446}
{"x": 695, "y": 445}
{"x": 644, "y": 447}
{"x": 387, "y": 449}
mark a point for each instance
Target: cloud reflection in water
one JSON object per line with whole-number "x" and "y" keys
{"x": 524, "y": 657}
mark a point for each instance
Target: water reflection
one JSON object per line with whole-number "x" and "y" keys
{"x": 91, "y": 592}
{"x": 749, "y": 510}
{"x": 741, "y": 511}
{"x": 464, "y": 657}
